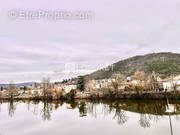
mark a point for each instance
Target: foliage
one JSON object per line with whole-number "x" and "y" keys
{"x": 162, "y": 63}
{"x": 139, "y": 89}
{"x": 81, "y": 83}
{"x": 82, "y": 109}
{"x": 165, "y": 68}
{"x": 128, "y": 88}
{"x": 70, "y": 96}
{"x": 25, "y": 88}
{"x": 115, "y": 85}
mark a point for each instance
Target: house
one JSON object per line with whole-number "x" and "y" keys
{"x": 167, "y": 86}
{"x": 67, "y": 87}
{"x": 169, "y": 83}
{"x": 135, "y": 82}
{"x": 20, "y": 91}
{"x": 36, "y": 92}
{"x": 98, "y": 84}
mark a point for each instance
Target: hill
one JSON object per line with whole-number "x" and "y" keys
{"x": 166, "y": 64}
{"x": 19, "y": 84}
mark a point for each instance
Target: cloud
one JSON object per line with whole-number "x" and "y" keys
{"x": 30, "y": 49}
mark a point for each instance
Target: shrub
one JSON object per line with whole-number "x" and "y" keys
{"x": 128, "y": 88}
{"x": 139, "y": 89}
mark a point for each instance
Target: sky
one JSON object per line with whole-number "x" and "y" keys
{"x": 86, "y": 36}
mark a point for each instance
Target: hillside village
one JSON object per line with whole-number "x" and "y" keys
{"x": 86, "y": 88}
{"x": 151, "y": 83}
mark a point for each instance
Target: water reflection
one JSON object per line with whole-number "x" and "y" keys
{"x": 147, "y": 111}
{"x": 11, "y": 108}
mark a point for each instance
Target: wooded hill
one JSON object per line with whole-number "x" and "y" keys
{"x": 165, "y": 64}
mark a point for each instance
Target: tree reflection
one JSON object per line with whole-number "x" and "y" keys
{"x": 82, "y": 109}
{"x": 151, "y": 111}
{"x": 35, "y": 107}
{"x": 144, "y": 121}
{"x": 46, "y": 110}
{"x": 11, "y": 108}
{"x": 0, "y": 105}
{"x": 121, "y": 116}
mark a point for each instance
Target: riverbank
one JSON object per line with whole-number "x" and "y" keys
{"x": 133, "y": 95}
{"x": 121, "y": 95}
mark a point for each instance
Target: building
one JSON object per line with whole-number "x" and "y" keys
{"x": 36, "y": 92}
{"x": 169, "y": 83}
{"x": 98, "y": 84}
{"x": 67, "y": 87}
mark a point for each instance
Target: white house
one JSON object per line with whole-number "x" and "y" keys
{"x": 36, "y": 92}
{"x": 66, "y": 87}
{"x": 103, "y": 83}
{"x": 169, "y": 83}
{"x": 97, "y": 84}
{"x": 70, "y": 87}
{"x": 168, "y": 86}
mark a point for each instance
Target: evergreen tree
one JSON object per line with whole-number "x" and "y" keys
{"x": 80, "y": 83}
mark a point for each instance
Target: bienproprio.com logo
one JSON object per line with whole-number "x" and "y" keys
{"x": 50, "y": 15}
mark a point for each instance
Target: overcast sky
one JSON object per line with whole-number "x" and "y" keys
{"x": 32, "y": 48}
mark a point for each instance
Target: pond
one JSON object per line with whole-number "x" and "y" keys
{"x": 83, "y": 117}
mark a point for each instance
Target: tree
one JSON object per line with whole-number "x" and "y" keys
{"x": 11, "y": 90}
{"x": 35, "y": 85}
{"x": 115, "y": 85}
{"x": 139, "y": 89}
{"x": 81, "y": 83}
{"x": 174, "y": 87}
{"x": 119, "y": 78}
{"x": 139, "y": 75}
{"x": 153, "y": 81}
{"x": 2, "y": 88}
{"x": 47, "y": 88}
{"x": 25, "y": 88}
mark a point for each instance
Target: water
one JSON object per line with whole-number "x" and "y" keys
{"x": 90, "y": 118}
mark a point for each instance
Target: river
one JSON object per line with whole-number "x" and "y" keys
{"x": 83, "y": 117}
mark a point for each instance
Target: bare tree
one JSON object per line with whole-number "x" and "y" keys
{"x": 175, "y": 86}
{"x": 139, "y": 75}
{"x": 115, "y": 85}
{"x": 47, "y": 88}
{"x": 118, "y": 80}
{"x": 11, "y": 90}
{"x": 153, "y": 81}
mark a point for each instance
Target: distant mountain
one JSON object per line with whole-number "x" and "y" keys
{"x": 165, "y": 64}
{"x": 19, "y": 84}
